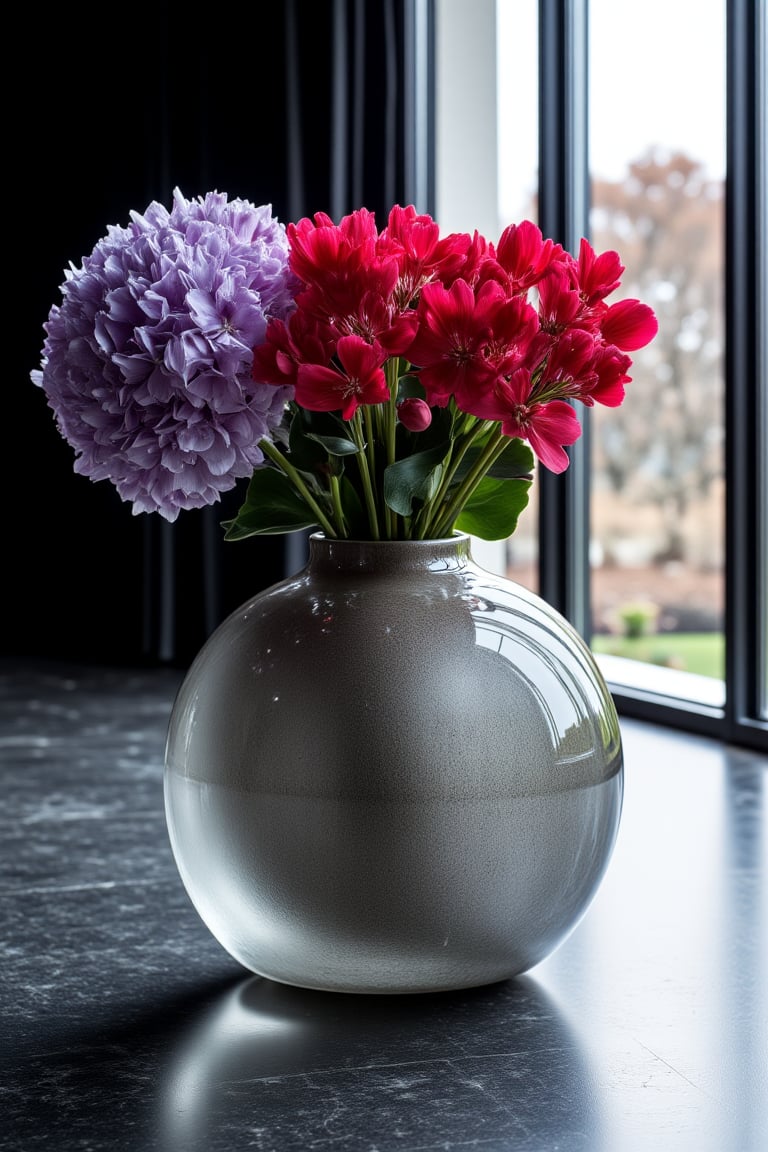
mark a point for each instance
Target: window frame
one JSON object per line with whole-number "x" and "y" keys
{"x": 564, "y": 500}
{"x": 564, "y": 213}
{"x": 746, "y": 306}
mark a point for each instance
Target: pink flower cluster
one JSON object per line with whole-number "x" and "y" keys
{"x": 510, "y": 332}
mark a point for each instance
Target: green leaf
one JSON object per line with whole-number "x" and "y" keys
{"x": 354, "y": 509}
{"x": 271, "y": 506}
{"x": 515, "y": 463}
{"x": 414, "y": 477}
{"x": 335, "y": 445}
{"x": 493, "y": 509}
{"x": 314, "y": 437}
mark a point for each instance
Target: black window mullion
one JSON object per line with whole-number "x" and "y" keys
{"x": 745, "y": 305}
{"x": 419, "y": 103}
{"x": 564, "y": 216}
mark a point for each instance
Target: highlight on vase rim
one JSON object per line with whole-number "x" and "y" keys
{"x": 377, "y": 384}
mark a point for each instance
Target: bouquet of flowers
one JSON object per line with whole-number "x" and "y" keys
{"x": 375, "y": 384}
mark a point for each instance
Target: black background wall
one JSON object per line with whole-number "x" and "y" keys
{"x": 303, "y": 105}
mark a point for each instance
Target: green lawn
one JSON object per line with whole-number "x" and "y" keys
{"x": 701, "y": 652}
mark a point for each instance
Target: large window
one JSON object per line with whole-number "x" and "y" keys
{"x": 657, "y": 166}
{"x": 595, "y": 118}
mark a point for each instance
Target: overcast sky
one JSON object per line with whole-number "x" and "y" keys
{"x": 657, "y": 77}
{"x": 658, "y": 70}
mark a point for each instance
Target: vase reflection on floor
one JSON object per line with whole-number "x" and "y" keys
{"x": 393, "y": 772}
{"x": 246, "y": 1051}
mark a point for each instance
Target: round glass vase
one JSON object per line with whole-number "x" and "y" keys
{"x": 393, "y": 772}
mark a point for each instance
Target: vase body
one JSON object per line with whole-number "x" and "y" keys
{"x": 393, "y": 772}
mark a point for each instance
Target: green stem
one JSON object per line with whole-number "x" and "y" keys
{"x": 365, "y": 470}
{"x": 462, "y": 444}
{"x": 386, "y": 422}
{"x": 337, "y": 505}
{"x": 370, "y": 439}
{"x": 429, "y": 517}
{"x": 295, "y": 477}
{"x": 389, "y": 416}
{"x": 493, "y": 449}
{"x": 393, "y": 377}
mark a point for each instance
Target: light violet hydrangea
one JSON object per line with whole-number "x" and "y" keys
{"x": 147, "y": 361}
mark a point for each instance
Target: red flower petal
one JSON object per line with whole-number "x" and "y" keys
{"x": 629, "y": 325}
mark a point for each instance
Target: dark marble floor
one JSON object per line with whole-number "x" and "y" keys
{"x": 126, "y": 1027}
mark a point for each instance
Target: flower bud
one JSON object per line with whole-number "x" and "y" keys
{"x": 414, "y": 414}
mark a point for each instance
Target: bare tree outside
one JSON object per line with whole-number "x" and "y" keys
{"x": 657, "y": 511}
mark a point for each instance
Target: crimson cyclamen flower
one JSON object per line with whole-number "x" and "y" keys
{"x": 598, "y": 276}
{"x": 318, "y": 246}
{"x": 147, "y": 361}
{"x": 610, "y": 367}
{"x": 454, "y": 329}
{"x": 560, "y": 303}
{"x": 525, "y": 255}
{"x": 358, "y": 380}
{"x": 351, "y": 279}
{"x": 301, "y": 339}
{"x": 547, "y": 427}
{"x": 422, "y": 255}
{"x": 339, "y": 263}
{"x": 569, "y": 368}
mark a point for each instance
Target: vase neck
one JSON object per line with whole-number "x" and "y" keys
{"x": 326, "y": 554}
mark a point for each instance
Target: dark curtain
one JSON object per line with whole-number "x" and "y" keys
{"x": 306, "y": 105}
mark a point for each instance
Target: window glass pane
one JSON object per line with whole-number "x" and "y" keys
{"x": 657, "y": 160}
{"x": 517, "y": 37}
{"x": 486, "y": 56}
{"x": 517, "y": 52}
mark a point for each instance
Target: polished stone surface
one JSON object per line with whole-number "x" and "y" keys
{"x": 126, "y": 1027}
